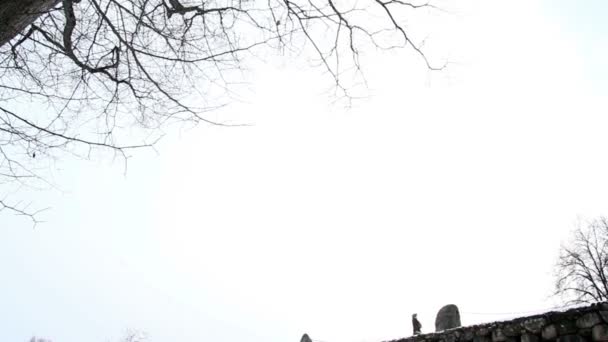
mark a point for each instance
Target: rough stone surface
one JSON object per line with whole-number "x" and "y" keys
{"x": 448, "y": 317}
{"x": 498, "y": 336}
{"x": 482, "y": 339}
{"x": 599, "y": 333}
{"x": 604, "y": 315}
{"x": 566, "y": 327}
{"x": 512, "y": 330}
{"x": 482, "y": 331}
{"x": 525, "y": 337}
{"x": 586, "y": 332}
{"x": 468, "y": 335}
{"x": 549, "y": 332}
{"x": 588, "y": 320}
{"x": 571, "y": 338}
{"x": 535, "y": 325}
{"x": 451, "y": 338}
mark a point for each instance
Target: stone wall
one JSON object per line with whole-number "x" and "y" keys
{"x": 586, "y": 324}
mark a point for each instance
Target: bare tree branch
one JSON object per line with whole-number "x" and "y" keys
{"x": 83, "y": 75}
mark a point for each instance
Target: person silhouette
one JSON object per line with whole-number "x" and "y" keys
{"x": 416, "y": 324}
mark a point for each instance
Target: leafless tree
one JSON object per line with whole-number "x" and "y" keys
{"x": 79, "y": 76}
{"x": 582, "y": 268}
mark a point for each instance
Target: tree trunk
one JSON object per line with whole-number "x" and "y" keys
{"x": 17, "y": 15}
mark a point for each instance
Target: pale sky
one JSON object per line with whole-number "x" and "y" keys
{"x": 451, "y": 187}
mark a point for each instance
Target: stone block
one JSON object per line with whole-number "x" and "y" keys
{"x": 482, "y": 339}
{"x": 482, "y": 331}
{"x": 566, "y": 327}
{"x": 450, "y": 338}
{"x": 535, "y": 325}
{"x": 468, "y": 335}
{"x": 549, "y": 332}
{"x": 498, "y": 335}
{"x": 571, "y": 338}
{"x": 434, "y": 337}
{"x": 512, "y": 329}
{"x": 457, "y": 333}
{"x": 525, "y": 337}
{"x": 599, "y": 333}
{"x": 588, "y": 320}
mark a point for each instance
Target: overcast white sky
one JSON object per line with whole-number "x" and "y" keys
{"x": 453, "y": 187}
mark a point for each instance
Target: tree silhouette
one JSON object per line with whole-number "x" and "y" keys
{"x": 582, "y": 268}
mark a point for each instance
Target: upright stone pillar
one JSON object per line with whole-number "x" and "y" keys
{"x": 448, "y": 317}
{"x": 305, "y": 338}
